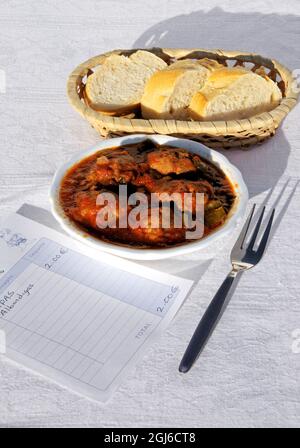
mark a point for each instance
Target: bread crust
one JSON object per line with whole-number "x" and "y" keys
{"x": 226, "y": 85}
{"x": 157, "y": 92}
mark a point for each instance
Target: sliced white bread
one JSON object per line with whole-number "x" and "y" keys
{"x": 168, "y": 92}
{"x": 117, "y": 85}
{"x": 234, "y": 93}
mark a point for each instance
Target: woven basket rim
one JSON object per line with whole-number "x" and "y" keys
{"x": 126, "y": 124}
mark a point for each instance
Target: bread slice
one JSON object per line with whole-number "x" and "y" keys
{"x": 234, "y": 93}
{"x": 117, "y": 85}
{"x": 168, "y": 92}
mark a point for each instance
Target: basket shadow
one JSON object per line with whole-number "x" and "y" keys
{"x": 267, "y": 34}
{"x": 261, "y": 165}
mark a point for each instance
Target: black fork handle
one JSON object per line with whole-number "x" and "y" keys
{"x": 208, "y": 322}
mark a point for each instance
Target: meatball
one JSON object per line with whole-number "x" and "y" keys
{"x": 167, "y": 161}
{"x": 86, "y": 212}
{"x": 180, "y": 186}
{"x": 116, "y": 168}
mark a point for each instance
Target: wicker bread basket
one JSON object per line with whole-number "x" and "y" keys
{"x": 215, "y": 134}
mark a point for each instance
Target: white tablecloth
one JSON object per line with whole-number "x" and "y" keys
{"x": 249, "y": 373}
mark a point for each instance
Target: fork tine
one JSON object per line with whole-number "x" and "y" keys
{"x": 256, "y": 230}
{"x": 263, "y": 244}
{"x": 240, "y": 241}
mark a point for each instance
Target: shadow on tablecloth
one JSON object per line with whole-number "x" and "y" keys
{"x": 272, "y": 36}
{"x": 190, "y": 266}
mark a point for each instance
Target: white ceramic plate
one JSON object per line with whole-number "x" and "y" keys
{"x": 236, "y": 213}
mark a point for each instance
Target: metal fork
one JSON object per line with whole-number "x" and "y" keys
{"x": 243, "y": 257}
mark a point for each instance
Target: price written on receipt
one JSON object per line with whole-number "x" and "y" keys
{"x": 167, "y": 299}
{"x": 56, "y": 258}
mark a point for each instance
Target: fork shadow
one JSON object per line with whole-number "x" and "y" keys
{"x": 274, "y": 206}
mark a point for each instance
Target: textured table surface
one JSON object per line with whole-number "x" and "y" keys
{"x": 249, "y": 373}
